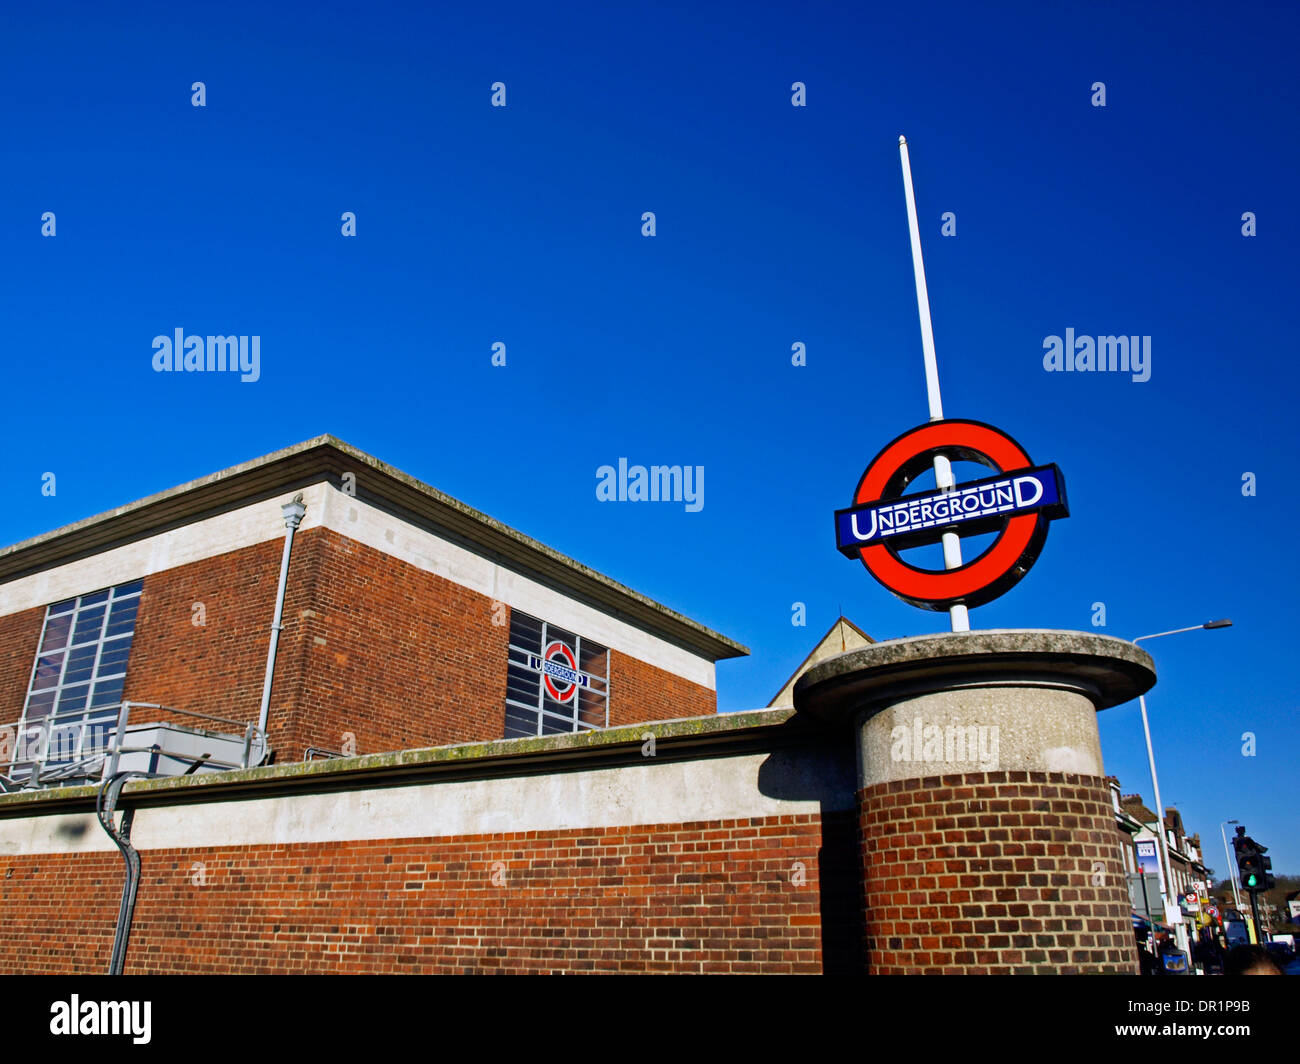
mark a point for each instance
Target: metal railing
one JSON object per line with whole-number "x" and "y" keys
{"x": 88, "y": 744}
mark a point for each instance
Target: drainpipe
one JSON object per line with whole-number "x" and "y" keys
{"x": 293, "y": 512}
{"x": 105, "y": 804}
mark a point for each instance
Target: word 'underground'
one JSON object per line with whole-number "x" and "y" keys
{"x": 557, "y": 671}
{"x": 992, "y": 498}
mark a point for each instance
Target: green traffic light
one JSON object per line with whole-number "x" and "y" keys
{"x": 1252, "y": 880}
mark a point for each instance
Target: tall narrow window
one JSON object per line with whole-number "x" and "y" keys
{"x": 556, "y": 681}
{"x": 76, "y": 687}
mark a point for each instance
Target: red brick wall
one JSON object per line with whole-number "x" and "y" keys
{"x": 402, "y": 658}
{"x": 397, "y": 656}
{"x": 720, "y": 896}
{"x": 994, "y": 873}
{"x": 216, "y": 667}
{"x": 639, "y": 691}
{"x": 371, "y": 646}
{"x": 20, "y": 636}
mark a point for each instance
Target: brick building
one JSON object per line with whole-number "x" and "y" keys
{"x": 479, "y": 756}
{"x": 408, "y": 619}
{"x": 1186, "y": 864}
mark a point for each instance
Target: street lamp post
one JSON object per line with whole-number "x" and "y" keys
{"x": 1166, "y": 870}
{"x": 1232, "y": 865}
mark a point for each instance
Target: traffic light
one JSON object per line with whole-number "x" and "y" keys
{"x": 1252, "y": 866}
{"x": 1248, "y": 867}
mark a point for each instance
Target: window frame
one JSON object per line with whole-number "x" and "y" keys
{"x": 538, "y": 710}
{"x": 54, "y": 723}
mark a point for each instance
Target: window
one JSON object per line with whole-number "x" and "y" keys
{"x": 76, "y": 686}
{"x": 556, "y": 681}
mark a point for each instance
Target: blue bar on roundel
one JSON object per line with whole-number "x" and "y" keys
{"x": 1005, "y": 494}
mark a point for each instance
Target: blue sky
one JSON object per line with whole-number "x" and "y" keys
{"x": 775, "y": 225}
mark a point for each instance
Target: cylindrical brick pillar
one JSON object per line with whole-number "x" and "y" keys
{"x": 987, "y": 834}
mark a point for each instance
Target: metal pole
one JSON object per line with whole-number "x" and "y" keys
{"x": 1166, "y": 870}
{"x": 293, "y": 512}
{"x": 922, "y": 292}
{"x": 1176, "y": 631}
{"x": 119, "y": 733}
{"x": 43, "y": 748}
{"x": 958, "y": 616}
{"x": 1254, "y": 912}
{"x": 1232, "y": 865}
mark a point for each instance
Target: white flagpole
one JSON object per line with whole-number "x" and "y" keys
{"x": 958, "y": 616}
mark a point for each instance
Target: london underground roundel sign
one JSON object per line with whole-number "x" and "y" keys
{"x": 1017, "y": 503}
{"x": 560, "y": 672}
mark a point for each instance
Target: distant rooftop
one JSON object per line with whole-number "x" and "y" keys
{"x": 840, "y": 637}
{"x": 1133, "y": 805}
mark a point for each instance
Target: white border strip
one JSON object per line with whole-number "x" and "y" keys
{"x": 672, "y": 792}
{"x": 330, "y": 508}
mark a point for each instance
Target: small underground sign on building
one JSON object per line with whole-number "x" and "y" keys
{"x": 559, "y": 669}
{"x": 557, "y": 681}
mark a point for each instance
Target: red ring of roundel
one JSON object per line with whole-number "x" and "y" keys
{"x": 925, "y": 587}
{"x": 570, "y": 660}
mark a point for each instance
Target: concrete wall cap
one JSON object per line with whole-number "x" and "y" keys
{"x": 686, "y": 737}
{"x": 1111, "y": 671}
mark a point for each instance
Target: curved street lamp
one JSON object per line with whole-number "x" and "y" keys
{"x": 1166, "y": 870}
